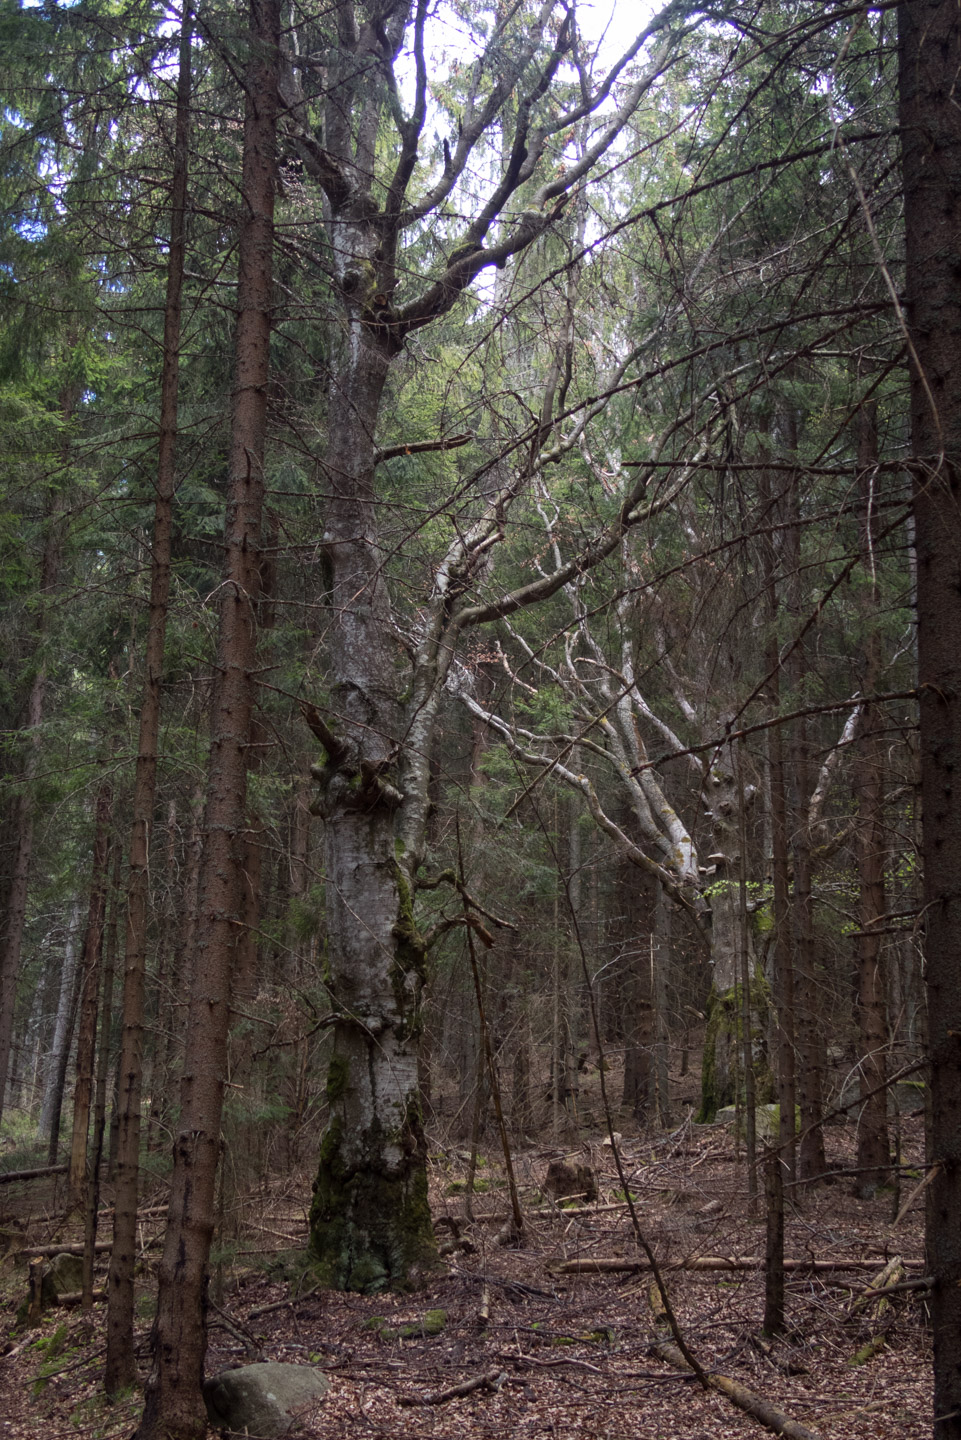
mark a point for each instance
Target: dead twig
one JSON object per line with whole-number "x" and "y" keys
{"x": 291, "y": 1300}
{"x": 922, "y": 1185}
{"x": 522, "y": 1359}
{"x": 239, "y": 1332}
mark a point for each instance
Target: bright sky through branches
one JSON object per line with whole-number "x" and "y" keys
{"x": 617, "y": 21}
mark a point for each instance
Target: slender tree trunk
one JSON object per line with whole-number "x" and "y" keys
{"x": 170, "y": 1003}
{"x": 722, "y": 1079}
{"x": 92, "y": 1188}
{"x": 660, "y": 959}
{"x": 808, "y": 1018}
{"x": 774, "y": 1248}
{"x": 748, "y": 1036}
{"x": 930, "y": 61}
{"x": 874, "y": 1153}
{"x": 809, "y": 1077}
{"x": 56, "y": 1070}
{"x": 11, "y": 938}
{"x": 166, "y": 913}
{"x": 174, "y": 1408}
{"x": 120, "y": 1368}
{"x": 783, "y": 961}
{"x": 89, "y": 995}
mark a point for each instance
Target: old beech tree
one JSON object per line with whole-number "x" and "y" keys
{"x": 526, "y": 91}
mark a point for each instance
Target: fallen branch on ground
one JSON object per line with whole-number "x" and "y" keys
{"x": 922, "y": 1185}
{"x": 292, "y": 1300}
{"x": 490, "y": 1380}
{"x": 768, "y": 1415}
{"x": 710, "y": 1262}
{"x": 553, "y": 1212}
{"x": 47, "y": 1252}
{"x": 521, "y": 1359}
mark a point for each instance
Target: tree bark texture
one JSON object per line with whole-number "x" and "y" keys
{"x": 930, "y": 60}
{"x": 95, "y": 1155}
{"x": 369, "y": 1221}
{"x": 120, "y": 1367}
{"x": 56, "y": 1078}
{"x": 174, "y": 1408}
{"x": 722, "y": 1077}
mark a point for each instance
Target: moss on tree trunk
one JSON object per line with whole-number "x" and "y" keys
{"x": 370, "y": 1225}
{"x": 722, "y": 1074}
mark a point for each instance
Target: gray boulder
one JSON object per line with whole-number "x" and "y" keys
{"x": 64, "y": 1276}
{"x": 262, "y": 1400}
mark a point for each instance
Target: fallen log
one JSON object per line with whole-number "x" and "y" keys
{"x": 612, "y": 1266}
{"x": 152, "y": 1211}
{"x": 73, "y": 1298}
{"x": 49, "y": 1251}
{"x": 762, "y": 1410}
{"x": 9, "y": 1177}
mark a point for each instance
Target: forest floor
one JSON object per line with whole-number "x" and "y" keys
{"x": 548, "y": 1353}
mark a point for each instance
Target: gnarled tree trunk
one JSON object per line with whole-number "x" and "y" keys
{"x": 369, "y": 1221}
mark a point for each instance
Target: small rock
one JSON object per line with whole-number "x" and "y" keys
{"x": 262, "y": 1400}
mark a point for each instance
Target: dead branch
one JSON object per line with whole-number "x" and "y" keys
{"x": 755, "y": 1405}
{"x": 921, "y": 1185}
{"x": 520, "y": 1359}
{"x": 892, "y": 1274}
{"x": 290, "y": 1300}
{"x": 72, "y": 1298}
{"x": 610, "y": 1266}
{"x": 421, "y": 447}
{"x": 490, "y": 1380}
{"x": 239, "y": 1332}
{"x": 48, "y": 1251}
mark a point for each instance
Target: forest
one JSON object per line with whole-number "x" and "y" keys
{"x": 480, "y": 706}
